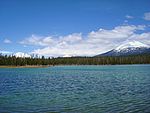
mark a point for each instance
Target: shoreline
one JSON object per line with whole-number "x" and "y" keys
{"x": 45, "y": 66}
{"x": 26, "y": 66}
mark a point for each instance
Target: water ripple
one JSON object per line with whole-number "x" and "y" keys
{"x": 76, "y": 89}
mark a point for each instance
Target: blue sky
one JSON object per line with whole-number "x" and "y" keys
{"x": 71, "y": 27}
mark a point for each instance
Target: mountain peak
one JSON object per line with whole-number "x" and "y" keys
{"x": 132, "y": 44}
{"x": 128, "y": 48}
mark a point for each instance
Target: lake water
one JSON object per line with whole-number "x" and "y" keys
{"x": 76, "y": 89}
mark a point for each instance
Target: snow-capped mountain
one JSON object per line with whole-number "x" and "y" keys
{"x": 128, "y": 48}
{"x": 133, "y": 45}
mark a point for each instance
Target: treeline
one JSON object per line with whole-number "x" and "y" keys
{"x": 17, "y": 61}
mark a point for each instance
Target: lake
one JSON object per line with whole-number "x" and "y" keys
{"x": 76, "y": 89}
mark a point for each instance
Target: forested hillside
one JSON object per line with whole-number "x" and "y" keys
{"x": 101, "y": 60}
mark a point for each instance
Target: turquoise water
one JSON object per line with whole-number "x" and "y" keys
{"x": 76, "y": 89}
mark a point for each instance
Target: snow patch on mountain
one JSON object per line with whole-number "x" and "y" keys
{"x": 131, "y": 46}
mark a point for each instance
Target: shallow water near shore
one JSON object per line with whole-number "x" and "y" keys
{"x": 76, "y": 89}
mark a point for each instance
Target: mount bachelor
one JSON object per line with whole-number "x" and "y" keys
{"x": 128, "y": 48}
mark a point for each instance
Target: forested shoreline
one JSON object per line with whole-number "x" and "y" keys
{"x": 6, "y": 60}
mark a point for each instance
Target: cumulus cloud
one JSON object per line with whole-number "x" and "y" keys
{"x": 129, "y": 17}
{"x": 38, "y": 40}
{"x": 7, "y": 41}
{"x": 5, "y": 52}
{"x": 72, "y": 38}
{"x": 21, "y": 54}
{"x": 93, "y": 43}
{"x": 147, "y": 16}
{"x": 51, "y": 41}
{"x": 118, "y": 32}
{"x": 143, "y": 37}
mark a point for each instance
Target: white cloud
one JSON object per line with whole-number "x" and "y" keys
{"x": 5, "y": 52}
{"x": 38, "y": 40}
{"x": 94, "y": 43}
{"x": 7, "y": 41}
{"x": 21, "y": 54}
{"x": 143, "y": 37}
{"x": 117, "y": 33}
{"x": 72, "y": 38}
{"x": 51, "y": 41}
{"x": 112, "y": 37}
{"x": 129, "y": 17}
{"x": 147, "y": 16}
